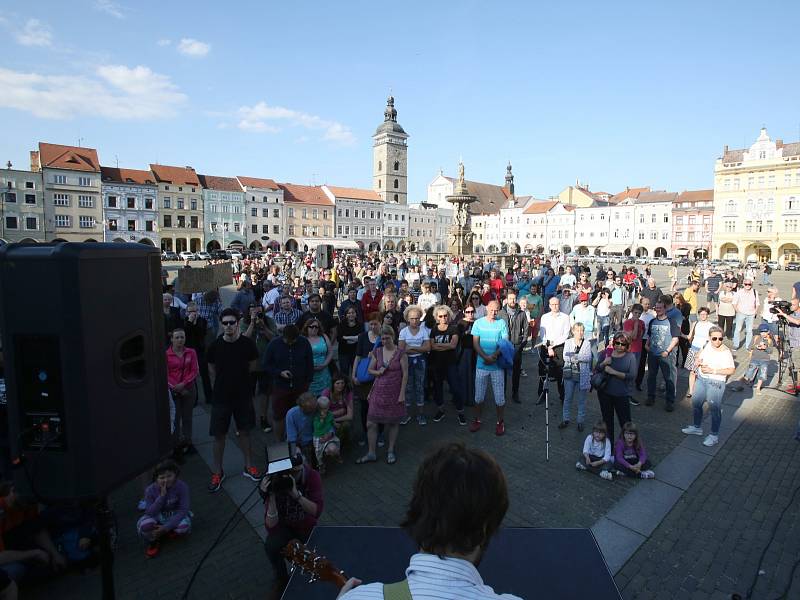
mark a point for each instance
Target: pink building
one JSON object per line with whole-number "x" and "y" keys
{"x": 692, "y": 224}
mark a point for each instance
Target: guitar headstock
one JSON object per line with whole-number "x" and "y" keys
{"x": 309, "y": 562}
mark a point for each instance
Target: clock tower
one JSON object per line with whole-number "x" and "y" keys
{"x": 390, "y": 158}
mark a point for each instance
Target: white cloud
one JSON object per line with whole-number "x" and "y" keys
{"x": 263, "y": 118}
{"x": 164, "y": 42}
{"x": 195, "y": 48}
{"x": 110, "y": 8}
{"x": 113, "y": 92}
{"x": 34, "y": 33}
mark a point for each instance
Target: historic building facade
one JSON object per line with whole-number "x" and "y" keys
{"x": 21, "y": 206}
{"x": 73, "y": 209}
{"x": 265, "y": 212}
{"x": 129, "y": 205}
{"x": 390, "y": 158}
{"x": 359, "y": 215}
{"x": 180, "y": 203}
{"x": 223, "y": 212}
{"x": 309, "y": 216}
{"x": 757, "y": 202}
{"x": 692, "y": 224}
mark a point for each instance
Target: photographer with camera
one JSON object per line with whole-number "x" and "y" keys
{"x": 294, "y": 502}
{"x": 793, "y": 337}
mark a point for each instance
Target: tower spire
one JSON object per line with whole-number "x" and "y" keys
{"x": 390, "y": 114}
{"x": 510, "y": 179}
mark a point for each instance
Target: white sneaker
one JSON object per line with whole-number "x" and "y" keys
{"x": 647, "y": 474}
{"x": 692, "y": 430}
{"x": 580, "y": 466}
{"x": 711, "y": 440}
{"x": 606, "y": 475}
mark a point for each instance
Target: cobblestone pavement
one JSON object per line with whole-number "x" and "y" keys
{"x": 542, "y": 494}
{"x": 744, "y": 503}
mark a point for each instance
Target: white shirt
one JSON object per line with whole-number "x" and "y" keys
{"x": 568, "y": 279}
{"x": 555, "y": 328}
{"x": 271, "y": 297}
{"x": 425, "y": 301}
{"x": 415, "y": 341}
{"x": 433, "y": 578}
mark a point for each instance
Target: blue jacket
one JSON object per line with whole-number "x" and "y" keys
{"x": 506, "y": 359}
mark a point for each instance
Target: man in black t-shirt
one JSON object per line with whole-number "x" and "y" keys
{"x": 443, "y": 361}
{"x": 712, "y": 285}
{"x": 232, "y": 358}
{"x": 315, "y": 312}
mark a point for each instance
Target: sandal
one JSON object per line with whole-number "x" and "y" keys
{"x": 391, "y": 458}
{"x": 367, "y": 458}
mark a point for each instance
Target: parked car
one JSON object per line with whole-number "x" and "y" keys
{"x": 793, "y": 266}
{"x": 774, "y": 265}
{"x": 642, "y": 260}
{"x": 186, "y": 255}
{"x": 169, "y": 255}
{"x": 203, "y": 256}
{"x": 235, "y": 254}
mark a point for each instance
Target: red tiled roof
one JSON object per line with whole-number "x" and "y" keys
{"x": 117, "y": 175}
{"x": 537, "y": 208}
{"x": 304, "y": 194}
{"x": 175, "y": 175}
{"x": 628, "y": 193}
{"x": 257, "y": 182}
{"x": 696, "y": 196}
{"x": 69, "y": 157}
{"x": 222, "y": 184}
{"x": 354, "y": 193}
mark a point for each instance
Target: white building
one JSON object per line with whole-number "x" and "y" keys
{"x": 266, "y": 213}
{"x": 653, "y": 223}
{"x": 21, "y": 206}
{"x": 358, "y": 217}
{"x": 129, "y": 206}
{"x": 429, "y": 227}
{"x": 224, "y": 212}
{"x": 395, "y": 227}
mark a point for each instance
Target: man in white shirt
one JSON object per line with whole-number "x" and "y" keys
{"x": 270, "y": 300}
{"x": 648, "y": 314}
{"x": 554, "y": 329}
{"x": 567, "y": 279}
{"x": 445, "y": 566}
{"x": 746, "y": 302}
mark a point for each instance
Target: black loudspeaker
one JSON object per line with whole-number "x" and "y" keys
{"x": 85, "y": 365}
{"x": 527, "y": 562}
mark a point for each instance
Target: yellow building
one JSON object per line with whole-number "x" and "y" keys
{"x": 309, "y": 216}
{"x": 757, "y": 202}
{"x": 577, "y": 195}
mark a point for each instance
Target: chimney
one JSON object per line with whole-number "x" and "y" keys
{"x": 725, "y": 149}
{"x": 36, "y": 164}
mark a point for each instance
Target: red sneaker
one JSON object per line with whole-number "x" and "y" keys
{"x": 152, "y": 550}
{"x": 475, "y": 425}
{"x": 500, "y": 428}
{"x": 216, "y": 482}
{"x": 791, "y": 390}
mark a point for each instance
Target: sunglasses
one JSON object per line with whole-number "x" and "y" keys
{"x": 621, "y": 343}
{"x": 313, "y": 326}
{"x": 469, "y": 312}
{"x": 748, "y": 285}
{"x": 716, "y": 339}
{"x": 229, "y": 323}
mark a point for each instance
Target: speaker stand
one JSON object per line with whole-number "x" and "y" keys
{"x": 105, "y": 525}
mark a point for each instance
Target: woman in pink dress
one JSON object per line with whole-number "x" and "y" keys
{"x": 387, "y": 405}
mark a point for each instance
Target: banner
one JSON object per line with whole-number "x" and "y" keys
{"x": 191, "y": 280}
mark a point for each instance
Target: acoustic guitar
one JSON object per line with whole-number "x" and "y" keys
{"x": 317, "y": 567}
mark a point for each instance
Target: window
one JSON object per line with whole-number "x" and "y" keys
{"x": 61, "y": 199}
{"x": 86, "y": 222}
{"x": 166, "y": 188}
{"x": 769, "y": 226}
{"x": 679, "y": 220}
{"x": 291, "y": 228}
{"x": 181, "y": 221}
{"x": 706, "y": 219}
{"x": 63, "y": 221}
{"x": 380, "y": 165}
{"x": 84, "y": 181}
{"x": 379, "y": 184}
{"x": 314, "y": 213}
{"x": 372, "y": 214}
{"x": 276, "y": 229}
{"x": 791, "y": 226}
{"x": 730, "y": 207}
{"x": 11, "y": 197}
{"x": 85, "y": 201}
{"x": 264, "y": 228}
{"x": 253, "y": 228}
{"x": 264, "y": 212}
{"x": 148, "y": 203}
{"x": 11, "y": 222}
{"x": 194, "y": 223}
{"x": 691, "y": 236}
{"x": 112, "y": 202}
{"x": 653, "y": 235}
{"x": 653, "y": 218}
{"x": 327, "y": 230}
{"x": 641, "y": 218}
{"x": 60, "y": 179}
{"x": 664, "y": 235}
{"x": 29, "y": 185}
{"x": 31, "y": 223}
{"x": 339, "y": 212}
{"x": 193, "y": 204}
{"x": 325, "y": 213}
{"x": 179, "y": 206}
{"x": 167, "y": 220}
{"x": 112, "y": 224}
{"x": 167, "y": 203}
{"x": 131, "y": 202}
{"x": 396, "y": 184}
{"x": 730, "y": 226}
{"x": 276, "y": 212}
{"x": 347, "y": 230}
{"x": 338, "y": 230}
{"x": 396, "y": 166}
{"x": 30, "y": 198}
{"x": 666, "y": 218}
{"x": 692, "y": 220}
{"x": 290, "y": 212}
{"x": 148, "y": 225}
{"x": 748, "y": 227}
{"x": 791, "y": 203}
{"x": 305, "y": 213}
{"x": 346, "y": 212}
{"x": 253, "y": 212}
{"x": 131, "y": 225}
{"x": 641, "y": 235}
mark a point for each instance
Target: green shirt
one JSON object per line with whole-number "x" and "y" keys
{"x": 323, "y": 427}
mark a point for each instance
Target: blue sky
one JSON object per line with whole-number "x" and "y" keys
{"x": 613, "y": 93}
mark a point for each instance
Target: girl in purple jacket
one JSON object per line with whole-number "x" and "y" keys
{"x": 630, "y": 454}
{"x": 167, "y": 513}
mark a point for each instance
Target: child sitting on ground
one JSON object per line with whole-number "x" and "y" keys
{"x": 167, "y": 512}
{"x": 759, "y": 360}
{"x": 324, "y": 431}
{"x": 597, "y": 452}
{"x": 630, "y": 455}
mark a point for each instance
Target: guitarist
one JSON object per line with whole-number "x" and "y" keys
{"x": 453, "y": 485}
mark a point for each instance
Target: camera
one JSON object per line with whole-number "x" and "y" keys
{"x": 278, "y": 478}
{"x": 782, "y": 305}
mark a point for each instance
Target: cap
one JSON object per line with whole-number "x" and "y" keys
{"x": 763, "y": 327}
{"x": 583, "y": 296}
